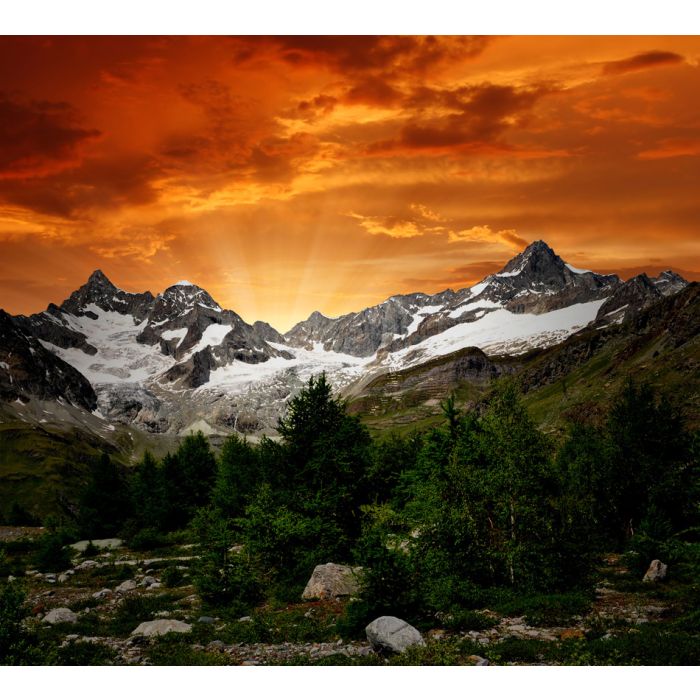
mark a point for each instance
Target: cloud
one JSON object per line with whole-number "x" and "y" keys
{"x": 426, "y": 212}
{"x": 671, "y": 148}
{"x": 391, "y": 226}
{"x": 484, "y": 233}
{"x": 141, "y": 242}
{"x": 383, "y": 54}
{"x": 641, "y": 61}
{"x": 472, "y": 116}
{"x": 39, "y": 138}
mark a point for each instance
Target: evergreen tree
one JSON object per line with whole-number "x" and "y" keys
{"x": 104, "y": 504}
{"x": 237, "y": 476}
{"x": 148, "y": 495}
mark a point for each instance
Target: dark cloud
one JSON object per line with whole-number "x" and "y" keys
{"x": 641, "y": 61}
{"x": 385, "y": 54}
{"x": 104, "y": 183}
{"x": 481, "y": 114}
{"x": 38, "y": 137}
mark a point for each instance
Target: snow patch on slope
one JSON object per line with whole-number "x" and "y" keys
{"x": 213, "y": 335}
{"x": 501, "y": 331}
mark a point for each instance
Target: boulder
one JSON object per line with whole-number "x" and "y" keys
{"x": 60, "y": 615}
{"x": 390, "y": 634}
{"x": 111, "y": 543}
{"x": 124, "y": 586}
{"x": 87, "y": 564}
{"x": 155, "y": 628}
{"x": 656, "y": 572}
{"x": 146, "y": 581}
{"x": 478, "y": 660}
{"x": 332, "y": 581}
{"x": 101, "y": 595}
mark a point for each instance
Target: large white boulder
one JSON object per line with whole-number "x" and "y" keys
{"x": 390, "y": 634}
{"x": 60, "y": 615}
{"x": 332, "y": 581}
{"x": 155, "y": 628}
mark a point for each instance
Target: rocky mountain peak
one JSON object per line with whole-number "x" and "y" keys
{"x": 99, "y": 292}
{"x": 185, "y": 294}
{"x": 99, "y": 279}
{"x": 537, "y": 260}
{"x": 669, "y": 282}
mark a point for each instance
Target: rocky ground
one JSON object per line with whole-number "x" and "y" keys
{"x": 123, "y": 607}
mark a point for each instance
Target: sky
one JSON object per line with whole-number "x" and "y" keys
{"x": 292, "y": 174}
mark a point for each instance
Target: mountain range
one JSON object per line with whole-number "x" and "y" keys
{"x": 178, "y": 361}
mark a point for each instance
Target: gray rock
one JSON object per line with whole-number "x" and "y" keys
{"x": 390, "y": 634}
{"x": 110, "y": 543}
{"x": 155, "y": 585}
{"x": 206, "y": 620}
{"x": 478, "y": 660}
{"x": 332, "y": 581}
{"x": 87, "y": 564}
{"x": 60, "y": 615}
{"x": 124, "y": 586}
{"x": 656, "y": 572}
{"x": 146, "y": 581}
{"x": 101, "y": 595}
{"x": 155, "y": 628}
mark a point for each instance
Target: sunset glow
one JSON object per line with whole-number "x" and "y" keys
{"x": 293, "y": 174}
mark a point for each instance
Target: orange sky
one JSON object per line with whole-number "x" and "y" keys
{"x": 291, "y": 174}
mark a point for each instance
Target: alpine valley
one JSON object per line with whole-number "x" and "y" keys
{"x": 117, "y": 371}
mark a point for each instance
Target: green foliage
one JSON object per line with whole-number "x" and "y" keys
{"x": 172, "y": 576}
{"x": 15, "y": 643}
{"x": 148, "y": 491}
{"x": 90, "y": 550}
{"x": 172, "y": 650}
{"x": 221, "y": 575}
{"x": 104, "y": 504}
{"x": 52, "y": 555}
{"x": 237, "y": 476}
{"x": 555, "y": 609}
{"x": 465, "y": 620}
{"x": 147, "y": 539}
{"x": 189, "y": 475}
{"x": 17, "y": 515}
{"x": 85, "y": 654}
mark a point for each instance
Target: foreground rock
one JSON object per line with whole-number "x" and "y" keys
{"x": 155, "y": 628}
{"x": 656, "y": 572}
{"x": 110, "y": 543}
{"x": 58, "y": 616}
{"x": 125, "y": 586}
{"x": 332, "y": 581}
{"x": 390, "y": 634}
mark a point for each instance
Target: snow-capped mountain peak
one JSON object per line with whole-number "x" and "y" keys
{"x": 165, "y": 362}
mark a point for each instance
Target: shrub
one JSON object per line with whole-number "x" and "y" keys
{"x": 147, "y": 539}
{"x": 52, "y": 555}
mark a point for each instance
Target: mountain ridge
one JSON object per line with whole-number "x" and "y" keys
{"x": 167, "y": 362}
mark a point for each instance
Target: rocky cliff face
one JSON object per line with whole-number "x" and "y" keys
{"x": 28, "y": 370}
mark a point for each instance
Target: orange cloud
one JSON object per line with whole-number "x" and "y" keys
{"x": 235, "y": 161}
{"x": 641, "y": 61}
